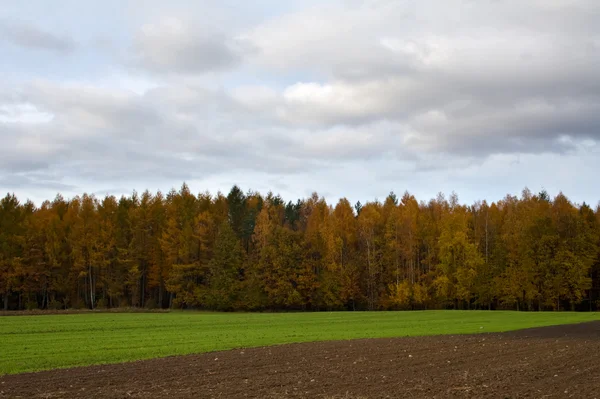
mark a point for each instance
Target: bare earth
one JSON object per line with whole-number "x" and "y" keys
{"x": 551, "y": 362}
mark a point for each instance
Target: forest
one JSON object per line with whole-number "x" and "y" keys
{"x": 249, "y": 252}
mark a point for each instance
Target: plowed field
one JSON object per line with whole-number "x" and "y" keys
{"x": 556, "y": 362}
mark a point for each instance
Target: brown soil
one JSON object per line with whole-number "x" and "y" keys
{"x": 557, "y": 362}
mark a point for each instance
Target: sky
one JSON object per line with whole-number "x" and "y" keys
{"x": 345, "y": 98}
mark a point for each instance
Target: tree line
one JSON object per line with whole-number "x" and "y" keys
{"x": 246, "y": 251}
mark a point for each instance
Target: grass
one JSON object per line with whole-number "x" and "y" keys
{"x": 32, "y": 343}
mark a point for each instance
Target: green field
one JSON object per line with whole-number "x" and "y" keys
{"x": 30, "y": 343}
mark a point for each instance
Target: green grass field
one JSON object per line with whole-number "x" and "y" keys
{"x": 30, "y": 343}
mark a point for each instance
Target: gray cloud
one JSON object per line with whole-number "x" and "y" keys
{"x": 167, "y": 134}
{"x": 370, "y": 90}
{"x": 174, "y": 46}
{"x": 463, "y": 78}
{"x": 24, "y": 181}
{"x": 29, "y": 36}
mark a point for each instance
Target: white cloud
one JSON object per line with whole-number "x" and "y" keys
{"x": 23, "y": 113}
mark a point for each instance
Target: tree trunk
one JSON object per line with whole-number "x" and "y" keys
{"x": 397, "y": 258}
{"x": 370, "y": 282}
{"x": 143, "y": 285}
{"x": 160, "y": 294}
{"x": 91, "y": 287}
{"x": 142, "y": 290}
{"x": 591, "y": 288}
{"x": 486, "y": 237}
{"x": 5, "y": 301}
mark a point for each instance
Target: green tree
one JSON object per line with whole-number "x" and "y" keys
{"x": 225, "y": 271}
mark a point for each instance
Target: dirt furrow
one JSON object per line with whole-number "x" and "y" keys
{"x": 553, "y": 362}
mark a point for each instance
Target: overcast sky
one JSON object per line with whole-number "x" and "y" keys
{"x": 347, "y": 98}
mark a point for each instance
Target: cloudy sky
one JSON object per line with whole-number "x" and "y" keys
{"x": 347, "y": 98}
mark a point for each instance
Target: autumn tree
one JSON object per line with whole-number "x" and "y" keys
{"x": 369, "y": 226}
{"x": 460, "y": 261}
{"x": 251, "y": 252}
{"x": 11, "y": 244}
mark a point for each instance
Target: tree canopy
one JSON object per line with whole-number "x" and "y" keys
{"x": 245, "y": 251}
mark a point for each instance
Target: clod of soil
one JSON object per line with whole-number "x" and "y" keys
{"x": 549, "y": 362}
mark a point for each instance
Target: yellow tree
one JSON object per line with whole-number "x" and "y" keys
{"x": 529, "y": 240}
{"x": 254, "y": 294}
{"x": 369, "y": 221}
{"x": 459, "y": 259}
{"x": 577, "y": 250}
{"x": 158, "y": 271}
{"x": 181, "y": 249}
{"x": 317, "y": 263}
{"x": 340, "y": 284}
{"x": 107, "y": 246}
{"x": 86, "y": 245}
{"x": 11, "y": 243}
